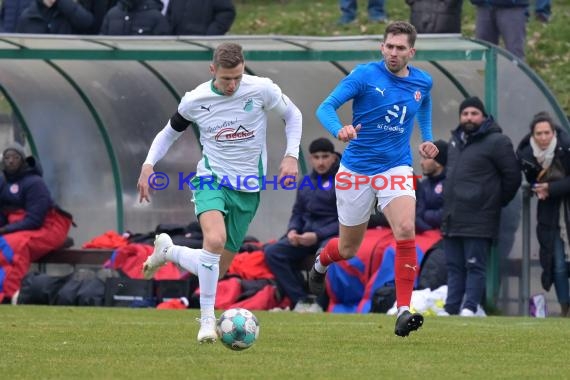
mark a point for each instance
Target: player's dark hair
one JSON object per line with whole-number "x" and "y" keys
{"x": 402, "y": 27}
{"x": 228, "y": 55}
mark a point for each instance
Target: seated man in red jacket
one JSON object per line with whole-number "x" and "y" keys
{"x": 31, "y": 225}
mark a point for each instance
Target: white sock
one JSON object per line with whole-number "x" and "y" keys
{"x": 208, "y": 273}
{"x": 187, "y": 258}
{"x": 401, "y": 309}
{"x": 322, "y": 269}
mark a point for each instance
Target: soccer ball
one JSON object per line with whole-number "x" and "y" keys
{"x": 237, "y": 329}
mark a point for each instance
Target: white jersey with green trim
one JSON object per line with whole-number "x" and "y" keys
{"x": 233, "y": 130}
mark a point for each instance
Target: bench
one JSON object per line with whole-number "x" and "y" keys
{"x": 75, "y": 256}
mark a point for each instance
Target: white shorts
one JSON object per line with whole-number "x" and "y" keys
{"x": 356, "y": 193}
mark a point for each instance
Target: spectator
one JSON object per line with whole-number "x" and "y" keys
{"x": 55, "y": 17}
{"x": 482, "y": 176}
{"x": 99, "y": 9}
{"x": 505, "y": 19}
{"x": 31, "y": 225}
{"x": 542, "y": 10}
{"x": 436, "y": 16}
{"x": 10, "y": 12}
{"x": 348, "y": 9}
{"x": 545, "y": 159}
{"x": 135, "y": 17}
{"x": 314, "y": 220}
{"x": 429, "y": 192}
{"x": 201, "y": 17}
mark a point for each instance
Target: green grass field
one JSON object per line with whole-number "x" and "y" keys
{"x": 40, "y": 342}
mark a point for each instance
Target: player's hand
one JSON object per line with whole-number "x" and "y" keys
{"x": 348, "y": 132}
{"x": 288, "y": 170}
{"x": 428, "y": 150}
{"x": 541, "y": 190}
{"x": 142, "y": 185}
{"x": 292, "y": 236}
{"x": 307, "y": 239}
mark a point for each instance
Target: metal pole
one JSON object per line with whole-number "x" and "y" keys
{"x": 524, "y": 282}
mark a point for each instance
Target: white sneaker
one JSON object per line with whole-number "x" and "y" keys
{"x": 466, "y": 313}
{"x": 207, "y": 333}
{"x": 442, "y": 313}
{"x": 158, "y": 258}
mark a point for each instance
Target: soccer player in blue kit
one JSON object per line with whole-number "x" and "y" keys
{"x": 387, "y": 95}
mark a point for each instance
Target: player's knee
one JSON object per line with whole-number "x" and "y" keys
{"x": 405, "y": 229}
{"x": 214, "y": 243}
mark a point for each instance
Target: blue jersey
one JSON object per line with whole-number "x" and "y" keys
{"x": 385, "y": 106}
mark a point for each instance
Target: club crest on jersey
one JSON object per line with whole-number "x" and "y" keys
{"x": 234, "y": 135}
{"x": 248, "y": 105}
{"x": 14, "y": 188}
{"x": 417, "y": 95}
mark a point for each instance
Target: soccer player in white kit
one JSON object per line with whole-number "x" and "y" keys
{"x": 231, "y": 113}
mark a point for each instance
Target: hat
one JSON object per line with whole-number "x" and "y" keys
{"x": 321, "y": 145}
{"x": 441, "y": 157}
{"x": 16, "y": 148}
{"x": 473, "y": 102}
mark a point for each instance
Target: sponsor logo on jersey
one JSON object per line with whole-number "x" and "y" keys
{"x": 234, "y": 135}
{"x": 206, "y": 108}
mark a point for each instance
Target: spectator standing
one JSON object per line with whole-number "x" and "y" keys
{"x": 483, "y": 176}
{"x": 429, "y": 193}
{"x": 55, "y": 17}
{"x": 99, "y": 9}
{"x": 504, "y": 19}
{"x": 542, "y": 10}
{"x": 135, "y": 17}
{"x": 201, "y": 17}
{"x": 10, "y": 12}
{"x": 349, "y": 11}
{"x": 314, "y": 220}
{"x": 31, "y": 224}
{"x": 544, "y": 155}
{"x": 436, "y": 16}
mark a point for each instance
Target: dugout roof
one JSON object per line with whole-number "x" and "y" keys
{"x": 89, "y": 107}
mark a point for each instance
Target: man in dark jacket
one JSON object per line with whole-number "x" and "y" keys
{"x": 31, "y": 225}
{"x": 201, "y": 17}
{"x": 504, "y": 19}
{"x": 429, "y": 192}
{"x": 483, "y": 176}
{"x": 135, "y": 17}
{"x": 10, "y": 12}
{"x": 313, "y": 222}
{"x": 436, "y": 16}
{"x": 55, "y": 17}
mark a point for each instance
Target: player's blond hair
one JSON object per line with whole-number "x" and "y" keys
{"x": 228, "y": 55}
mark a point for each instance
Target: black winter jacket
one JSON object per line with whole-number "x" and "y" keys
{"x": 315, "y": 205}
{"x": 64, "y": 17}
{"x": 24, "y": 190}
{"x": 135, "y": 17}
{"x": 483, "y": 175}
{"x": 441, "y": 16}
{"x": 548, "y": 210}
{"x": 199, "y": 17}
